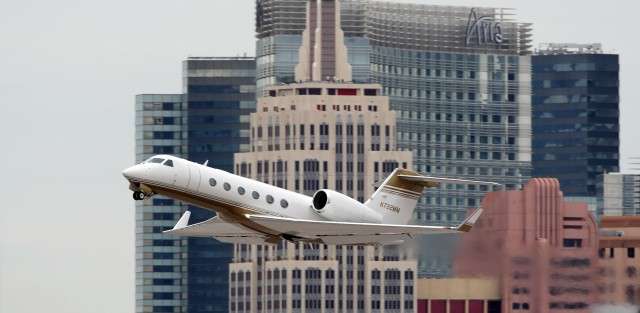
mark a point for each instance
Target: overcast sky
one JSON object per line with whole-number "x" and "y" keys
{"x": 69, "y": 70}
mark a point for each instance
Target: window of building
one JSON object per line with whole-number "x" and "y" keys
{"x": 631, "y": 252}
{"x": 269, "y": 199}
{"x": 572, "y": 243}
{"x": 227, "y": 186}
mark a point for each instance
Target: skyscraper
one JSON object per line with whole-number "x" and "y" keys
{"x": 459, "y": 78}
{"x": 160, "y": 262}
{"x": 575, "y": 115}
{"x": 323, "y": 131}
{"x": 220, "y": 95}
{"x": 210, "y": 121}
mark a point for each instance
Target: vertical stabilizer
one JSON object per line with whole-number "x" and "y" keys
{"x": 396, "y": 198}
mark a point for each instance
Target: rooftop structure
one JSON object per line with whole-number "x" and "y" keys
{"x": 569, "y": 48}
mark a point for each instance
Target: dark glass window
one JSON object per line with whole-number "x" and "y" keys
{"x": 212, "y": 182}
{"x": 270, "y": 199}
{"x": 284, "y": 204}
{"x": 227, "y": 186}
{"x": 169, "y": 163}
{"x": 631, "y": 252}
{"x": 572, "y": 243}
{"x": 241, "y": 190}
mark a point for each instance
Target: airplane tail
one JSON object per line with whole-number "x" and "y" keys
{"x": 396, "y": 198}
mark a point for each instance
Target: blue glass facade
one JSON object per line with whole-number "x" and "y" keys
{"x": 575, "y": 119}
{"x": 220, "y": 95}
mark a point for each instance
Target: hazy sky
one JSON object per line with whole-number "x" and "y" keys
{"x": 69, "y": 70}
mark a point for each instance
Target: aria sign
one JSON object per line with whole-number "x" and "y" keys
{"x": 484, "y": 28}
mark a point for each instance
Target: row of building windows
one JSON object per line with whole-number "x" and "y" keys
{"x": 289, "y": 130}
{"x": 602, "y": 253}
{"x": 458, "y": 117}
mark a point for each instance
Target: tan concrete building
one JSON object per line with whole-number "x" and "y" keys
{"x": 322, "y": 132}
{"x": 310, "y": 136}
{"x": 619, "y": 260}
{"x": 458, "y": 295}
{"x": 321, "y": 278}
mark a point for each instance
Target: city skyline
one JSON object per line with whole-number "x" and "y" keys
{"x": 86, "y": 69}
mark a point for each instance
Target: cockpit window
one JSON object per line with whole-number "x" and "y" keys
{"x": 156, "y": 160}
{"x": 169, "y": 163}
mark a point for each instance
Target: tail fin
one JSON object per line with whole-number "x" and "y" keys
{"x": 468, "y": 222}
{"x": 396, "y": 198}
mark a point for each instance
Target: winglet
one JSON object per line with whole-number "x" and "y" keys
{"x": 468, "y": 223}
{"x": 183, "y": 221}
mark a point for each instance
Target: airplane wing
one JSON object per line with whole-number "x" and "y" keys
{"x": 218, "y": 229}
{"x": 356, "y": 233}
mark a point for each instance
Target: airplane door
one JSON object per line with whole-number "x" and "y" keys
{"x": 182, "y": 175}
{"x": 194, "y": 174}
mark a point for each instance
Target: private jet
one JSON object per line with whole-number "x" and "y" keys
{"x": 252, "y": 212}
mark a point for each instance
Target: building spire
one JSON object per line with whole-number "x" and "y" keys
{"x": 323, "y": 54}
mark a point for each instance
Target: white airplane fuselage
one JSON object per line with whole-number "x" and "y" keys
{"x": 205, "y": 187}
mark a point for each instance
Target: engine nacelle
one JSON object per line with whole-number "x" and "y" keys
{"x": 337, "y": 207}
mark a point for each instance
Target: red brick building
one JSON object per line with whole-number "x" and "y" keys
{"x": 542, "y": 249}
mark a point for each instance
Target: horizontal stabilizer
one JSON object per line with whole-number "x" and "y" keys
{"x": 428, "y": 182}
{"x": 468, "y": 223}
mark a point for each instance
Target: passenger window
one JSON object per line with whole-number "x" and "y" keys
{"x": 284, "y": 204}
{"x": 255, "y": 195}
{"x": 156, "y": 160}
{"x": 269, "y": 199}
{"x": 169, "y": 163}
{"x": 226, "y": 186}
{"x": 212, "y": 182}
{"x": 241, "y": 190}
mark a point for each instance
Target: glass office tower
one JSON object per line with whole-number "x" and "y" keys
{"x": 459, "y": 77}
{"x": 220, "y": 95}
{"x": 210, "y": 121}
{"x": 575, "y": 116}
{"x": 160, "y": 261}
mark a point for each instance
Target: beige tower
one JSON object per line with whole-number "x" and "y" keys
{"x": 323, "y": 54}
{"x": 322, "y": 132}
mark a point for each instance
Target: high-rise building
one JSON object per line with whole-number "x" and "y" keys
{"x": 210, "y": 121}
{"x": 323, "y": 131}
{"x": 575, "y": 115}
{"x": 459, "y": 77}
{"x": 160, "y": 260}
{"x": 619, "y": 194}
{"x": 540, "y": 247}
{"x": 220, "y": 95}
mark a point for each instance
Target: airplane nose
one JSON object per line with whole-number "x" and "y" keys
{"x": 133, "y": 172}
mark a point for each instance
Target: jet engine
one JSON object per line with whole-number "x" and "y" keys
{"x": 337, "y": 207}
